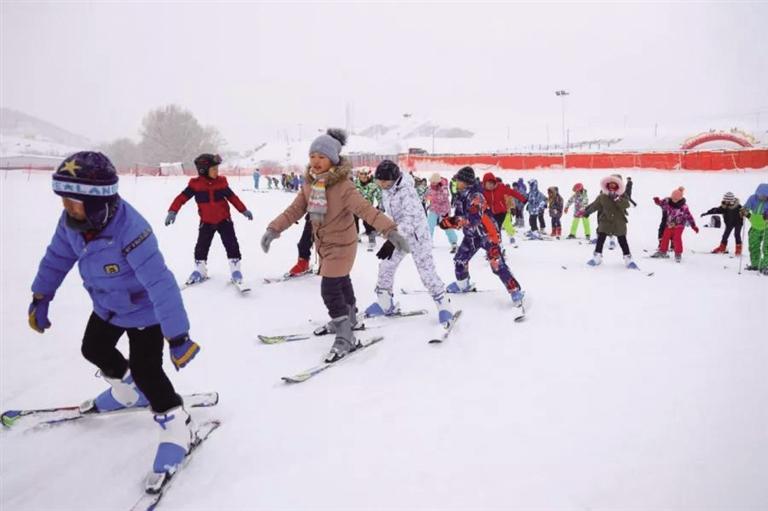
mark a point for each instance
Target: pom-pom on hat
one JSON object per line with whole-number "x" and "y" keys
{"x": 677, "y": 194}
{"x": 466, "y": 175}
{"x": 329, "y": 144}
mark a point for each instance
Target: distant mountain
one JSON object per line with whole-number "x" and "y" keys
{"x": 414, "y": 129}
{"x": 20, "y": 125}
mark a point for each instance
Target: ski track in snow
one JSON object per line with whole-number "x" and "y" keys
{"x": 619, "y": 391}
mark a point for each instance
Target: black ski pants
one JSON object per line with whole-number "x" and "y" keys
{"x": 727, "y": 233}
{"x": 226, "y": 230}
{"x": 532, "y": 220}
{"x": 338, "y": 295}
{"x": 145, "y": 359}
{"x": 601, "y": 236}
{"x": 305, "y": 242}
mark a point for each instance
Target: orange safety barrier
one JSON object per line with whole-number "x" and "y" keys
{"x": 674, "y": 160}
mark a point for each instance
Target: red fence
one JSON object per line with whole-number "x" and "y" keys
{"x": 699, "y": 160}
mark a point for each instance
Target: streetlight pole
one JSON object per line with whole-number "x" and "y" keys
{"x": 562, "y": 94}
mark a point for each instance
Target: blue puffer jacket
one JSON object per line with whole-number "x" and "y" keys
{"x": 123, "y": 271}
{"x": 537, "y": 201}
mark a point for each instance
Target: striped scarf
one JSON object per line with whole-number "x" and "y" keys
{"x": 318, "y": 202}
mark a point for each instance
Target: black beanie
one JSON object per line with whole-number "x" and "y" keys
{"x": 387, "y": 170}
{"x": 466, "y": 175}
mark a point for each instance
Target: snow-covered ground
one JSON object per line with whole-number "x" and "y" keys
{"x": 620, "y": 391}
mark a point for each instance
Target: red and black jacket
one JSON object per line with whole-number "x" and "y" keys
{"x": 211, "y": 196}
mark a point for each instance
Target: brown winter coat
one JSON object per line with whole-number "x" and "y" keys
{"x": 336, "y": 238}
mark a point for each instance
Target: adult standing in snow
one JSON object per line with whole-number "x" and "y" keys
{"x": 211, "y": 192}
{"x": 256, "y": 177}
{"x": 132, "y": 291}
{"x": 402, "y": 203}
{"x": 438, "y": 206}
{"x": 611, "y": 207}
{"x": 628, "y": 191}
{"x": 580, "y": 201}
{"x": 756, "y": 210}
{"x": 480, "y": 231}
{"x": 332, "y": 200}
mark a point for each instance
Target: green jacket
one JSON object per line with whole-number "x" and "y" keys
{"x": 370, "y": 191}
{"x": 611, "y": 214}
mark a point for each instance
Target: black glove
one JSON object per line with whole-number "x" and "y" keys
{"x": 386, "y": 250}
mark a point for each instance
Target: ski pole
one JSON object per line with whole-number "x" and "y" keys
{"x": 741, "y": 255}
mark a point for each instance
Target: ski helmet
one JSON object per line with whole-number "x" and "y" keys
{"x": 90, "y": 178}
{"x": 205, "y": 161}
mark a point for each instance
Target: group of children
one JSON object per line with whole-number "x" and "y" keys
{"x": 133, "y": 291}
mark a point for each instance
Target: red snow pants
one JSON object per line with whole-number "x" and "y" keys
{"x": 674, "y": 234}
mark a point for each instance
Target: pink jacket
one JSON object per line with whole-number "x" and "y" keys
{"x": 439, "y": 198}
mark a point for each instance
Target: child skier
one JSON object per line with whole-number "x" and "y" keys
{"x": 332, "y": 200}
{"x": 730, "y": 208}
{"x": 537, "y": 203}
{"x": 438, "y": 206}
{"x": 611, "y": 207}
{"x": 211, "y": 192}
{"x": 372, "y": 193}
{"x": 402, "y": 203}
{"x": 756, "y": 209}
{"x": 132, "y": 291}
{"x": 499, "y": 198}
{"x": 678, "y": 215}
{"x": 480, "y": 231}
{"x": 555, "y": 205}
{"x": 580, "y": 201}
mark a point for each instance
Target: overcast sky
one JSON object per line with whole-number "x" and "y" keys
{"x": 253, "y": 69}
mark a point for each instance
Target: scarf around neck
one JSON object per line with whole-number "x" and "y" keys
{"x": 318, "y": 202}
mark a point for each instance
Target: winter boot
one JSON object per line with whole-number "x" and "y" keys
{"x": 455, "y": 247}
{"x": 597, "y": 258}
{"x": 738, "y": 249}
{"x": 629, "y": 263}
{"x": 460, "y": 286}
{"x": 444, "y": 309}
{"x": 345, "y": 341}
{"x": 301, "y": 266}
{"x": 660, "y": 255}
{"x": 234, "y": 269}
{"x": 678, "y": 258}
{"x": 123, "y": 393}
{"x": 721, "y": 249}
{"x": 764, "y": 271}
{"x": 200, "y": 274}
{"x": 517, "y": 297}
{"x": 176, "y": 437}
{"x": 570, "y": 237}
{"x": 383, "y": 306}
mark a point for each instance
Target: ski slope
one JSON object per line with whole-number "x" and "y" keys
{"x": 619, "y": 391}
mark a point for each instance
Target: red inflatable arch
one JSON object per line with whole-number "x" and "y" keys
{"x": 718, "y": 135}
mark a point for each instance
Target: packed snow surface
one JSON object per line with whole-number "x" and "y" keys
{"x": 619, "y": 391}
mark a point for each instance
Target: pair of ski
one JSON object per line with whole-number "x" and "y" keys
{"x": 157, "y": 484}
{"x": 287, "y": 276}
{"x": 314, "y": 371}
{"x": 520, "y": 317}
{"x": 240, "y": 285}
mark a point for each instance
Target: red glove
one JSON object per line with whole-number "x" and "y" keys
{"x": 450, "y": 222}
{"x": 657, "y": 200}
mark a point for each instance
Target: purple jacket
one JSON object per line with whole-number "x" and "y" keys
{"x": 439, "y": 198}
{"x": 676, "y": 214}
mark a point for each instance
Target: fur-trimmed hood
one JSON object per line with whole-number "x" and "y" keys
{"x": 612, "y": 179}
{"x": 337, "y": 173}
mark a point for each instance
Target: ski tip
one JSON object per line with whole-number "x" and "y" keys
{"x": 297, "y": 378}
{"x": 10, "y": 417}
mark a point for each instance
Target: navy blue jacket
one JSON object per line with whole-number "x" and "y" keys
{"x": 123, "y": 271}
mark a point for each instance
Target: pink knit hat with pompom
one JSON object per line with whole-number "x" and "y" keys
{"x": 677, "y": 194}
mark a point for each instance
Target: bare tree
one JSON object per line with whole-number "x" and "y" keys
{"x": 172, "y": 134}
{"x": 123, "y": 152}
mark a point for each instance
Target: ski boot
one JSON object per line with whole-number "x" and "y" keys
{"x": 629, "y": 263}
{"x": 612, "y": 243}
{"x": 572, "y": 237}
{"x": 737, "y": 252}
{"x": 764, "y": 271}
{"x": 460, "y": 286}
{"x": 597, "y": 258}
{"x": 345, "y": 342}
{"x": 444, "y": 309}
{"x": 200, "y": 274}
{"x": 752, "y": 267}
{"x": 176, "y": 437}
{"x": 455, "y": 247}
{"x": 517, "y": 297}
{"x": 301, "y": 266}
{"x": 660, "y": 255}
{"x": 678, "y": 258}
{"x": 234, "y": 269}
{"x": 383, "y": 306}
{"x": 123, "y": 393}
{"x": 720, "y": 249}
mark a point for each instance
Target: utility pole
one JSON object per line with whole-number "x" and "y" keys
{"x": 562, "y": 94}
